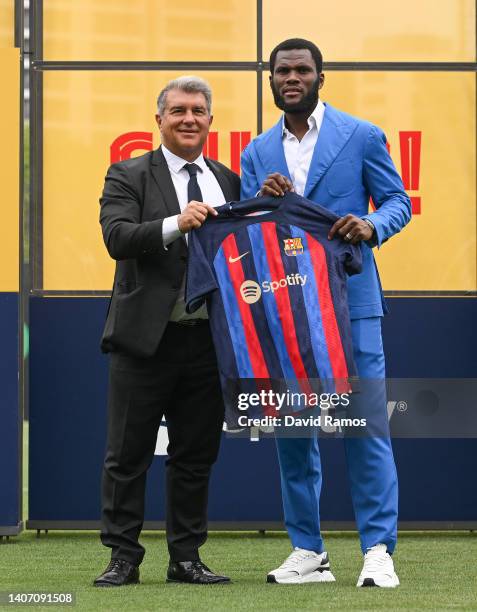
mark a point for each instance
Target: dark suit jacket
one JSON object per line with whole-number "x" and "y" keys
{"x": 138, "y": 194}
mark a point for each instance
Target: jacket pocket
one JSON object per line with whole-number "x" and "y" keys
{"x": 341, "y": 178}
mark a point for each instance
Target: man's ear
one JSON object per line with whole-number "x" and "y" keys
{"x": 211, "y": 118}
{"x": 322, "y": 80}
{"x": 158, "y": 121}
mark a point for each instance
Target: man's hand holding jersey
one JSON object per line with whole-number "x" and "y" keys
{"x": 194, "y": 215}
{"x": 276, "y": 185}
{"x": 350, "y": 228}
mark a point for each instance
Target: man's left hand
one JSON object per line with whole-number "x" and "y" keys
{"x": 351, "y": 229}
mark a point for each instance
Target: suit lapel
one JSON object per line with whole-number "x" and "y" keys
{"x": 221, "y": 179}
{"x": 271, "y": 153}
{"x": 335, "y": 132}
{"x": 162, "y": 176}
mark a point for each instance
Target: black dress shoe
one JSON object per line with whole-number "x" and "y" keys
{"x": 118, "y": 573}
{"x": 193, "y": 572}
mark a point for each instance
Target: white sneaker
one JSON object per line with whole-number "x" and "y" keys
{"x": 378, "y": 569}
{"x": 303, "y": 566}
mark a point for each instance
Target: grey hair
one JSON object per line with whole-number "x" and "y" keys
{"x": 189, "y": 84}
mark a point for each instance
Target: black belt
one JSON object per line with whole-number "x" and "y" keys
{"x": 190, "y": 322}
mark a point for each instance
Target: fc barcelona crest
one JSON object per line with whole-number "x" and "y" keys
{"x": 293, "y": 247}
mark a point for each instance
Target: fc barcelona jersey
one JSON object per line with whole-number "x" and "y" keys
{"x": 275, "y": 288}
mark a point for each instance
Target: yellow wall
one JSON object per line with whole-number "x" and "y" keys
{"x": 9, "y": 129}
{"x": 376, "y": 30}
{"x": 160, "y": 30}
{"x": 7, "y": 32}
{"x": 84, "y": 112}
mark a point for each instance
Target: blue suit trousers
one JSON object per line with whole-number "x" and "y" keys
{"x": 370, "y": 464}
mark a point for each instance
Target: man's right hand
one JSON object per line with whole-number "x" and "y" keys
{"x": 276, "y": 185}
{"x": 193, "y": 215}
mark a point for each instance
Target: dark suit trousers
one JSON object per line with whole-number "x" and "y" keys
{"x": 180, "y": 382}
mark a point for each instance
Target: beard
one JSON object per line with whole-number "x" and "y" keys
{"x": 305, "y": 105}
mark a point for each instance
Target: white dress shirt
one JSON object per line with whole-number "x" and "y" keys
{"x": 298, "y": 153}
{"x": 211, "y": 193}
{"x": 209, "y": 187}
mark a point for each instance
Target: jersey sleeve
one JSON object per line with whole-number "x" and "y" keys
{"x": 353, "y": 259}
{"x": 200, "y": 279}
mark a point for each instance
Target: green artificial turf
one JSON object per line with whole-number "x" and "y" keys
{"x": 437, "y": 571}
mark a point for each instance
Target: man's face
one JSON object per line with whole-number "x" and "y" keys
{"x": 295, "y": 81}
{"x": 185, "y": 123}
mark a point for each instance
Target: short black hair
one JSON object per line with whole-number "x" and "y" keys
{"x": 297, "y": 43}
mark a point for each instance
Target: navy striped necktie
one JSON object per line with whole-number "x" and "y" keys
{"x": 193, "y": 189}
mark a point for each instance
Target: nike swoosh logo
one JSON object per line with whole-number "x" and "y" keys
{"x": 234, "y": 259}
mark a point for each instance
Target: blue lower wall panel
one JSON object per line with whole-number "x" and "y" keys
{"x": 431, "y": 338}
{"x": 68, "y": 392}
{"x": 10, "y": 423}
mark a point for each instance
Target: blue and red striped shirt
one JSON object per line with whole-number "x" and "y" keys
{"x": 276, "y": 290}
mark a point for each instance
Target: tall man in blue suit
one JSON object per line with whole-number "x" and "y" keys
{"x": 338, "y": 161}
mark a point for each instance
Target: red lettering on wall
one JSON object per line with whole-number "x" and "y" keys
{"x": 238, "y": 142}
{"x": 410, "y": 145}
{"x": 125, "y": 144}
{"x": 211, "y": 146}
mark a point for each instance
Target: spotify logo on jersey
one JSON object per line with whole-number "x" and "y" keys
{"x": 250, "y": 291}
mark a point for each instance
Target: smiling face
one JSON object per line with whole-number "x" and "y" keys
{"x": 185, "y": 123}
{"x": 295, "y": 81}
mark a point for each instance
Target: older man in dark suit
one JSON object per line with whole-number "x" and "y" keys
{"x": 162, "y": 360}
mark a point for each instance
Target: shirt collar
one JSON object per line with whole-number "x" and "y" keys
{"x": 176, "y": 163}
{"x": 314, "y": 120}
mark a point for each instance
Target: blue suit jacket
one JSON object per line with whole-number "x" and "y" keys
{"x": 350, "y": 163}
